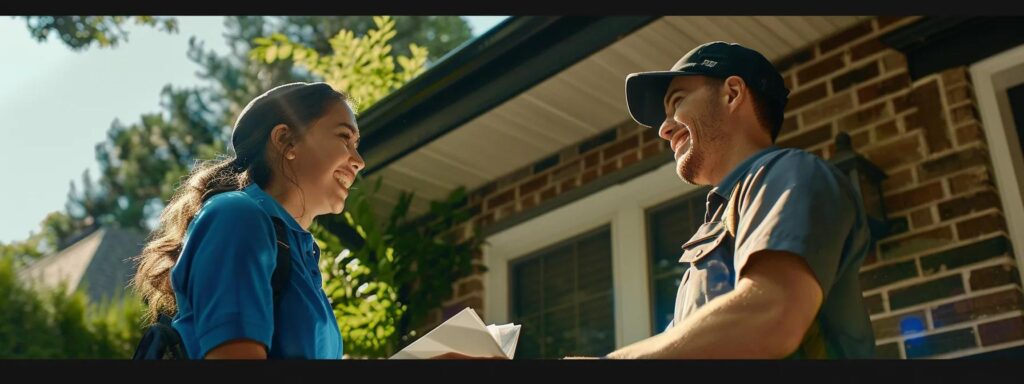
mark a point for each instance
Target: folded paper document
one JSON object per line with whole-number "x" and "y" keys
{"x": 464, "y": 333}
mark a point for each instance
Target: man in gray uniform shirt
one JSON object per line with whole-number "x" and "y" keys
{"x": 773, "y": 271}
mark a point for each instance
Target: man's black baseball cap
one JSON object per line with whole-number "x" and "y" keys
{"x": 645, "y": 91}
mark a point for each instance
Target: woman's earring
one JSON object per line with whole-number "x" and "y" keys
{"x": 290, "y": 156}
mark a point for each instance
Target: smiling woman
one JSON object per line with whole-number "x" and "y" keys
{"x": 211, "y": 261}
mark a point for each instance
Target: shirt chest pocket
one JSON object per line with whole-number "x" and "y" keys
{"x": 707, "y": 240}
{"x": 709, "y": 254}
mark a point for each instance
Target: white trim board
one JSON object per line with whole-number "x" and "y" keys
{"x": 991, "y": 78}
{"x": 622, "y": 206}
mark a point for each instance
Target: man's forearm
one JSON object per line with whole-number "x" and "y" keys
{"x": 744, "y": 323}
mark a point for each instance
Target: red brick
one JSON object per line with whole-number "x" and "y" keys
{"x": 795, "y": 59}
{"x": 649, "y": 135}
{"x": 914, "y": 197}
{"x": 508, "y": 209}
{"x": 969, "y": 181}
{"x": 591, "y": 159}
{"x": 854, "y": 77}
{"x": 566, "y": 171}
{"x": 883, "y": 87}
{"x": 587, "y": 176}
{"x": 886, "y": 130}
{"x": 951, "y": 163}
{"x": 901, "y": 151}
{"x": 844, "y": 37}
{"x": 897, "y": 181}
{"x": 568, "y": 185}
{"x": 533, "y": 184}
{"x": 874, "y": 304}
{"x": 485, "y": 220}
{"x": 470, "y": 286}
{"x": 954, "y": 76}
{"x": 828, "y": 109}
{"x": 958, "y": 94}
{"x": 968, "y": 134}
{"x": 820, "y": 69}
{"x": 610, "y": 167}
{"x": 621, "y": 147}
{"x": 866, "y": 48}
{"x": 894, "y": 61}
{"x": 501, "y": 198}
{"x": 548, "y": 193}
{"x": 1002, "y": 331}
{"x": 859, "y": 140}
{"x": 902, "y": 103}
{"x": 994, "y": 276}
{"x": 652, "y": 149}
{"x": 930, "y": 117}
{"x": 809, "y": 138}
{"x": 789, "y": 125}
{"x": 807, "y": 96}
{"x": 975, "y": 202}
{"x": 922, "y": 218}
{"x": 915, "y": 243}
{"x": 981, "y": 225}
{"x": 525, "y": 204}
{"x": 902, "y": 324}
{"x": 863, "y": 117}
{"x": 977, "y": 307}
{"x": 630, "y": 158}
{"x": 964, "y": 114}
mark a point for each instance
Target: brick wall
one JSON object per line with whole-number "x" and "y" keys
{"x": 944, "y": 283}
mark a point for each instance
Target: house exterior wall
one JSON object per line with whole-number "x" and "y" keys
{"x": 944, "y": 283}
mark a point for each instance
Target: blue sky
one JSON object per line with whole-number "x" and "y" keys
{"x": 56, "y": 104}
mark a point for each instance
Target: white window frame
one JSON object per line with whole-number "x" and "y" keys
{"x": 623, "y": 206}
{"x": 991, "y": 78}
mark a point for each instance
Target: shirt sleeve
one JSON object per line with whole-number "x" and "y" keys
{"x": 795, "y": 203}
{"x": 231, "y": 244}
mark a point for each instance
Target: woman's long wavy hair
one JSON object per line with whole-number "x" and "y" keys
{"x": 297, "y": 105}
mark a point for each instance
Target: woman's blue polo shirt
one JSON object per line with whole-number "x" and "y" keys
{"x": 222, "y": 282}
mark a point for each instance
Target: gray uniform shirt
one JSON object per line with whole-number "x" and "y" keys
{"x": 786, "y": 200}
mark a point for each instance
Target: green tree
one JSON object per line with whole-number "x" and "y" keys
{"x": 80, "y": 32}
{"x": 52, "y": 323}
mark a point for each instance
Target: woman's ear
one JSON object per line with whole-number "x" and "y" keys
{"x": 282, "y": 140}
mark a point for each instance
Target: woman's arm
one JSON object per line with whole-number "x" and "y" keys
{"x": 238, "y": 349}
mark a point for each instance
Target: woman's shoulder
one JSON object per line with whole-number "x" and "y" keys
{"x": 234, "y": 204}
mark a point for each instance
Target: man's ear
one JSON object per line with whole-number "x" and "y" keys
{"x": 734, "y": 92}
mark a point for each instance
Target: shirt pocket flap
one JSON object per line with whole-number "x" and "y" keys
{"x": 707, "y": 238}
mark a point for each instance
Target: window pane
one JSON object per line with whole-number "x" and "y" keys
{"x": 670, "y": 225}
{"x": 563, "y": 298}
{"x": 527, "y": 295}
{"x": 559, "y": 277}
{"x": 597, "y": 331}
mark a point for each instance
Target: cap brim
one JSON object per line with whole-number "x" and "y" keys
{"x": 645, "y": 95}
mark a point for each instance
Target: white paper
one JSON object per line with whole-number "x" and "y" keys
{"x": 464, "y": 333}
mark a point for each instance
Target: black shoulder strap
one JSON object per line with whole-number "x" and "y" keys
{"x": 161, "y": 341}
{"x": 284, "y": 260}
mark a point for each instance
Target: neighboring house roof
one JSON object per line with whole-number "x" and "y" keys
{"x": 99, "y": 264}
{"x": 535, "y": 85}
